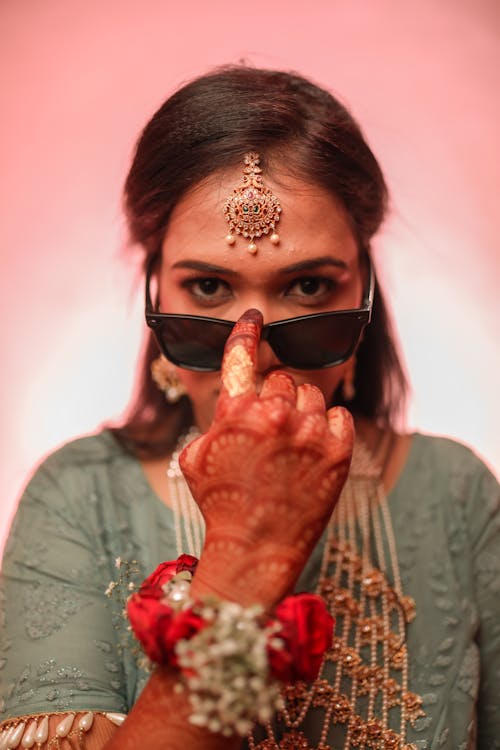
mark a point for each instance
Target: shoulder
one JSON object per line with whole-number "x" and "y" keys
{"x": 453, "y": 477}
{"x": 443, "y": 477}
{"x": 97, "y": 449}
{"x": 75, "y": 467}
{"x": 444, "y": 458}
{"x": 82, "y": 490}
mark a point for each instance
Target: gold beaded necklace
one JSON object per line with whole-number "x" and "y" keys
{"x": 362, "y": 692}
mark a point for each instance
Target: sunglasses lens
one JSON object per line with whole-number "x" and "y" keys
{"x": 306, "y": 343}
{"x": 316, "y": 342}
{"x": 193, "y": 344}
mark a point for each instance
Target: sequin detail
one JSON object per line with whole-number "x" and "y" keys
{"x": 48, "y": 607}
{"x": 363, "y": 693}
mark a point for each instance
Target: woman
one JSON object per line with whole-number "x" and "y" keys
{"x": 254, "y": 198}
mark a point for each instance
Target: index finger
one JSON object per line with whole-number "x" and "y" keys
{"x": 239, "y": 364}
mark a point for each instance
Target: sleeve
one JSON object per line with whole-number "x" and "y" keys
{"x": 59, "y": 635}
{"x": 484, "y": 529}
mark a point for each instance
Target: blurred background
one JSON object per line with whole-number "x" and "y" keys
{"x": 79, "y": 79}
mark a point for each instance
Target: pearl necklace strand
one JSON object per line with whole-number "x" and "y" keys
{"x": 188, "y": 521}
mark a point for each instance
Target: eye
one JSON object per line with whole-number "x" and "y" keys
{"x": 208, "y": 290}
{"x": 208, "y": 286}
{"x": 309, "y": 286}
{"x": 311, "y": 290}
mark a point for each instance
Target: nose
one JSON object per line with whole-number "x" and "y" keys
{"x": 266, "y": 358}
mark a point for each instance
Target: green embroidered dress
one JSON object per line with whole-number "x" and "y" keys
{"x": 61, "y": 639}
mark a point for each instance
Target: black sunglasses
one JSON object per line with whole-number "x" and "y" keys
{"x": 309, "y": 342}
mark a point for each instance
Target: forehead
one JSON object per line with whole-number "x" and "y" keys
{"x": 312, "y": 222}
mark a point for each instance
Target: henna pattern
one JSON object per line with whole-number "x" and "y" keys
{"x": 266, "y": 475}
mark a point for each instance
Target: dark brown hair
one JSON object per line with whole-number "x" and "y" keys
{"x": 297, "y": 128}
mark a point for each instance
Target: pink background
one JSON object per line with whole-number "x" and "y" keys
{"x": 79, "y": 78}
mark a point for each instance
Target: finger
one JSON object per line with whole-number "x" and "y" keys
{"x": 341, "y": 426}
{"x": 189, "y": 453}
{"x": 188, "y": 458}
{"x": 279, "y": 383}
{"x": 277, "y": 398}
{"x": 310, "y": 399}
{"x": 311, "y": 428}
{"x": 239, "y": 365}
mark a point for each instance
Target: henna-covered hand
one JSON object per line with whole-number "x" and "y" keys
{"x": 266, "y": 475}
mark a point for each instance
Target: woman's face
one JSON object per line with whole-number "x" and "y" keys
{"x": 314, "y": 268}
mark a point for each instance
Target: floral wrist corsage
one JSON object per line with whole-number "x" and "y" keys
{"x": 231, "y": 658}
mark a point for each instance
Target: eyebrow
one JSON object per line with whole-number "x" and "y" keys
{"x": 307, "y": 265}
{"x": 304, "y": 265}
{"x": 198, "y": 265}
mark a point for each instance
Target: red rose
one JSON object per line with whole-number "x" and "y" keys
{"x": 182, "y": 627}
{"x": 186, "y": 562}
{"x": 307, "y": 630}
{"x": 152, "y": 586}
{"x": 149, "y": 619}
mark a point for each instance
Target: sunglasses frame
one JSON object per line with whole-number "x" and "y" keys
{"x": 362, "y": 315}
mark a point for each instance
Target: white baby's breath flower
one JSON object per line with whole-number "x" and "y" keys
{"x": 226, "y": 669}
{"x": 118, "y": 562}
{"x": 145, "y": 664}
{"x": 109, "y": 590}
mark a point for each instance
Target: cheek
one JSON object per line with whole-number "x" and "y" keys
{"x": 199, "y": 385}
{"x": 203, "y": 389}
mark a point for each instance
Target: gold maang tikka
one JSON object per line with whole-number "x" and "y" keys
{"x": 252, "y": 210}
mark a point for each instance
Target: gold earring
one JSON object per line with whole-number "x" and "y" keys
{"x": 167, "y": 380}
{"x": 252, "y": 210}
{"x": 348, "y": 387}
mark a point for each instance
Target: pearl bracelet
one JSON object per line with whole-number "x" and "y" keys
{"x": 231, "y": 659}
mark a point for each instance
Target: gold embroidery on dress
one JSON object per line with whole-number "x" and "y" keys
{"x": 362, "y": 690}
